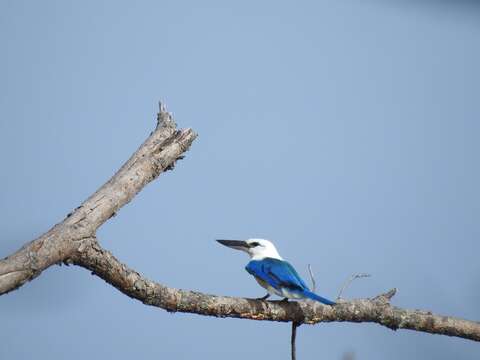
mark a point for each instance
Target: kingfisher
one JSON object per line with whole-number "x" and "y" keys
{"x": 273, "y": 273}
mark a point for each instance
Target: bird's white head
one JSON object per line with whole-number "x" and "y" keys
{"x": 258, "y": 249}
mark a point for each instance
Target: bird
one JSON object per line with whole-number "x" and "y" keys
{"x": 273, "y": 273}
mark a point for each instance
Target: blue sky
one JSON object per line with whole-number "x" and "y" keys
{"x": 345, "y": 131}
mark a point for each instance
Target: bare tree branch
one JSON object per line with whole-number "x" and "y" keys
{"x": 376, "y": 310}
{"x": 74, "y": 241}
{"x": 157, "y": 154}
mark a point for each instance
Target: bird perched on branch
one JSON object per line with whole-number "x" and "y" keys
{"x": 273, "y": 273}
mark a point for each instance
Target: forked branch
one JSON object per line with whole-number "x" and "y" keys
{"x": 158, "y": 153}
{"x": 73, "y": 240}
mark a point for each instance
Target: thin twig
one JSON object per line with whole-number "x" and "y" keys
{"x": 314, "y": 284}
{"x": 295, "y": 324}
{"x": 349, "y": 281}
{"x": 294, "y": 337}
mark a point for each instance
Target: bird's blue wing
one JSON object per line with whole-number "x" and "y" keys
{"x": 277, "y": 273}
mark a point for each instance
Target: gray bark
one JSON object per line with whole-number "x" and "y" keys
{"x": 157, "y": 154}
{"x": 375, "y": 310}
{"x": 73, "y": 241}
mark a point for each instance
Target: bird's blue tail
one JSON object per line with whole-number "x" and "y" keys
{"x": 316, "y": 297}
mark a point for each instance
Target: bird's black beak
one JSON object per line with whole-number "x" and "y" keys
{"x": 235, "y": 244}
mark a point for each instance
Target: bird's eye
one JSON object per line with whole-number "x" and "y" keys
{"x": 253, "y": 244}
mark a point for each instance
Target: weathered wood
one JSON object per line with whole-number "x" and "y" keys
{"x": 74, "y": 241}
{"x": 376, "y": 310}
{"x": 158, "y": 153}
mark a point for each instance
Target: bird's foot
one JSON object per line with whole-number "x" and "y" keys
{"x": 283, "y": 301}
{"x": 264, "y": 297}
